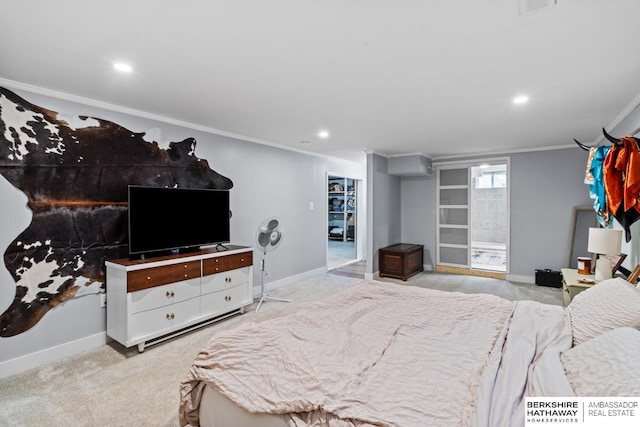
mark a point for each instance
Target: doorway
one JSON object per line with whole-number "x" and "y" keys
{"x": 473, "y": 218}
{"x": 342, "y": 221}
{"x": 489, "y": 217}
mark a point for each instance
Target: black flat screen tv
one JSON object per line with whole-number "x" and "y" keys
{"x": 165, "y": 220}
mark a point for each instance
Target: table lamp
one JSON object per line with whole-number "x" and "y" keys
{"x": 604, "y": 241}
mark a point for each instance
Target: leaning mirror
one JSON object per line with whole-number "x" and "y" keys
{"x": 582, "y": 218}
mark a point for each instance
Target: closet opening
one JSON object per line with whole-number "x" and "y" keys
{"x": 342, "y": 221}
{"x": 473, "y": 218}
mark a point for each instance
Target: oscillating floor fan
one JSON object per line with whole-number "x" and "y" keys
{"x": 268, "y": 237}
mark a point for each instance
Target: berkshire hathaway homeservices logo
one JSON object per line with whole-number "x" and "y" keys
{"x": 582, "y": 411}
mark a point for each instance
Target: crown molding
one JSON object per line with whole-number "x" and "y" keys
{"x": 151, "y": 116}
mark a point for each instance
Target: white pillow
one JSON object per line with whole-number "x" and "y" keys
{"x": 607, "y": 305}
{"x": 607, "y": 365}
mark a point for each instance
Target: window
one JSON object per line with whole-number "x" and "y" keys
{"x": 491, "y": 180}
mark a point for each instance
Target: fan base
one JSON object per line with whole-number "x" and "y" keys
{"x": 265, "y": 297}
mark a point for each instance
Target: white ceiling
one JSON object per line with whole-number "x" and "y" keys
{"x": 390, "y": 76}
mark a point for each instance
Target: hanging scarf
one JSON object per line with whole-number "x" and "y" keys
{"x": 621, "y": 171}
{"x": 595, "y": 177}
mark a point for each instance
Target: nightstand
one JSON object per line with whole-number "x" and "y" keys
{"x": 573, "y": 283}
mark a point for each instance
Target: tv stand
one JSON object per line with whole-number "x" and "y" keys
{"x": 156, "y": 298}
{"x": 166, "y": 252}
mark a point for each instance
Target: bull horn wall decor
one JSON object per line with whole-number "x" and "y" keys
{"x": 581, "y": 145}
{"x": 610, "y": 138}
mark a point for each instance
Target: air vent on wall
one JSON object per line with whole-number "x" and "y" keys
{"x": 532, "y": 6}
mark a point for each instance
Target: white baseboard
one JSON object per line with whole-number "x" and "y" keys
{"x": 288, "y": 280}
{"x": 42, "y": 357}
{"x": 521, "y": 279}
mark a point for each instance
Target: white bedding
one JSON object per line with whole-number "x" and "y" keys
{"x": 607, "y": 365}
{"x": 385, "y": 354}
{"x": 529, "y": 365}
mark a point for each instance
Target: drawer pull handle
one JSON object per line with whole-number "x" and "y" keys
{"x": 170, "y": 316}
{"x": 170, "y": 294}
{"x": 227, "y": 298}
{"x": 148, "y": 277}
{"x": 186, "y": 266}
{"x": 186, "y": 275}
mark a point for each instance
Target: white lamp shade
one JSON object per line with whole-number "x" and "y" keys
{"x": 604, "y": 241}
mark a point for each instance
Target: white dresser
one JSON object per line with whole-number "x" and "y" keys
{"x": 152, "y": 300}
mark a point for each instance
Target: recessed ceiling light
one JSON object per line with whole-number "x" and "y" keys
{"x": 121, "y": 66}
{"x": 324, "y": 134}
{"x": 520, "y": 99}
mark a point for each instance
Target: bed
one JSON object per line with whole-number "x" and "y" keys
{"x": 382, "y": 354}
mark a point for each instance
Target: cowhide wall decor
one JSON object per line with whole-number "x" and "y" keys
{"x": 76, "y": 182}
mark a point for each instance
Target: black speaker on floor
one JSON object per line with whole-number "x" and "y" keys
{"x": 549, "y": 278}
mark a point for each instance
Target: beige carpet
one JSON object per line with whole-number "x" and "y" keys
{"x": 114, "y": 386}
{"x": 355, "y": 270}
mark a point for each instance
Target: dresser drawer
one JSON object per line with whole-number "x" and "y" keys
{"x": 185, "y": 270}
{"x": 241, "y": 260}
{"x": 164, "y": 319}
{"x": 148, "y": 278}
{"x": 164, "y": 295}
{"x": 224, "y": 301}
{"x": 215, "y": 265}
{"x": 224, "y": 280}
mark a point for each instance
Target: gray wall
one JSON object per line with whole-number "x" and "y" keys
{"x": 268, "y": 181}
{"x": 383, "y": 209}
{"x": 545, "y": 185}
{"x": 418, "y": 214}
